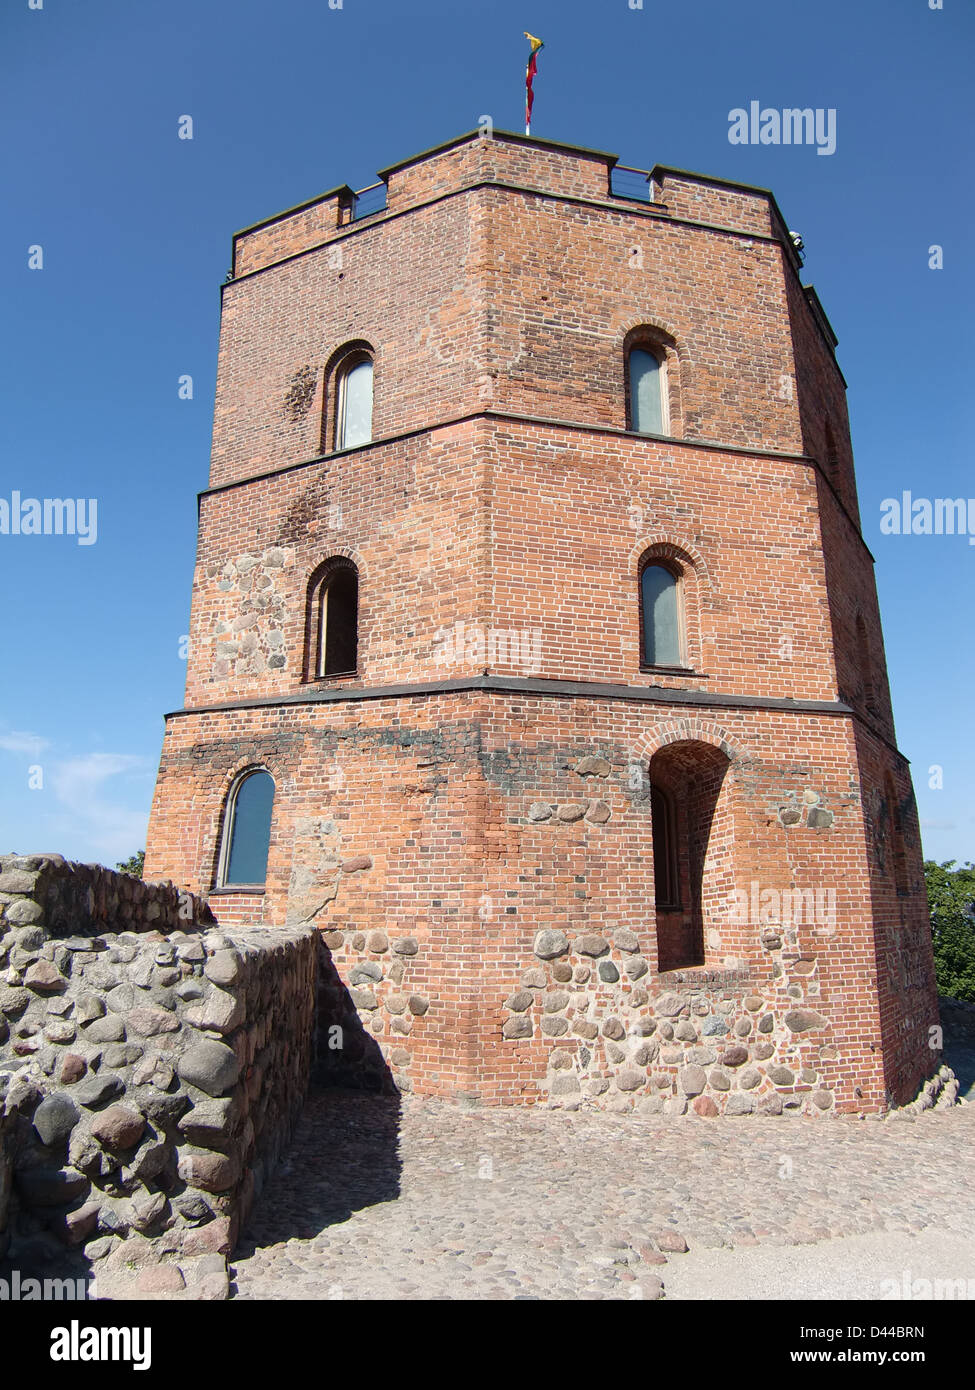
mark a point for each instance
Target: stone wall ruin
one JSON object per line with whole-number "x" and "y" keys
{"x": 151, "y": 1071}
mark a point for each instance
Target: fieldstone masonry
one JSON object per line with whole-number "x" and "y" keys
{"x": 151, "y": 1070}
{"x": 714, "y": 1041}
{"x": 364, "y": 1029}
{"x": 613, "y": 1034}
{"x": 248, "y": 639}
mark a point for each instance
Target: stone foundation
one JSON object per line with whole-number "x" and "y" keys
{"x": 365, "y": 1024}
{"x": 151, "y": 1070}
{"x": 711, "y": 1040}
{"x": 586, "y": 1022}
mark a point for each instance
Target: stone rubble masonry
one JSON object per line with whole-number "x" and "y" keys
{"x": 503, "y": 491}
{"x": 152, "y": 1067}
{"x": 62, "y": 898}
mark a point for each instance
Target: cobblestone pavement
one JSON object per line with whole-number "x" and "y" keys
{"x": 421, "y": 1199}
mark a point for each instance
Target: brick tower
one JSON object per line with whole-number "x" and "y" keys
{"x": 535, "y": 650}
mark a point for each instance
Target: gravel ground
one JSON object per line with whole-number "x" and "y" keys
{"x": 880, "y": 1265}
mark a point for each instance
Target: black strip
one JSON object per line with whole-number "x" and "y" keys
{"x": 585, "y": 690}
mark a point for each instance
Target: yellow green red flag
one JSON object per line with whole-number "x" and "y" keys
{"x": 530, "y": 78}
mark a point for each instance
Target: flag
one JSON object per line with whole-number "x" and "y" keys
{"x": 530, "y": 77}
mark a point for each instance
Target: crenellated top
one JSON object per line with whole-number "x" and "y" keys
{"x": 499, "y": 157}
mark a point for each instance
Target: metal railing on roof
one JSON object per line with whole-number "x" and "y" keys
{"x": 627, "y": 182}
{"x": 634, "y": 184}
{"x": 368, "y": 201}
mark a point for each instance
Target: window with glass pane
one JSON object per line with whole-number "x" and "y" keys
{"x": 666, "y": 892}
{"x": 646, "y": 398}
{"x": 249, "y": 829}
{"x": 354, "y": 420}
{"x": 338, "y": 635}
{"x": 661, "y": 619}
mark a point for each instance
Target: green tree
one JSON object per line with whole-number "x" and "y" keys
{"x": 134, "y": 864}
{"x": 951, "y": 899}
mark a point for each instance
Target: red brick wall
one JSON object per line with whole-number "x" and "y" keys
{"x": 721, "y": 205}
{"x": 561, "y": 170}
{"x": 521, "y": 527}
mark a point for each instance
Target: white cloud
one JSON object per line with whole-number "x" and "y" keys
{"x": 94, "y": 791}
{"x": 18, "y": 741}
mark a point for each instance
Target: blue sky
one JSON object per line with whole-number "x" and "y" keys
{"x": 292, "y": 97}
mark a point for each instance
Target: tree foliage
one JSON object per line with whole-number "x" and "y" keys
{"x": 951, "y": 899}
{"x": 134, "y": 864}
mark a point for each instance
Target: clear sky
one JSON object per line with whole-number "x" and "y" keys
{"x": 291, "y": 97}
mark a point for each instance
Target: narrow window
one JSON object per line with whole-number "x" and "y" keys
{"x": 666, "y": 891}
{"x": 336, "y": 621}
{"x": 353, "y": 413}
{"x": 832, "y": 457}
{"x": 661, "y": 617}
{"x": 866, "y": 666}
{"x": 897, "y": 847}
{"x": 247, "y": 831}
{"x": 647, "y": 413}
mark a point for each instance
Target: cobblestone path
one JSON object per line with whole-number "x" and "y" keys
{"x": 420, "y": 1199}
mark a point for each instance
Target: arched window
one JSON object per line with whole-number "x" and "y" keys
{"x": 333, "y": 620}
{"x": 665, "y": 870}
{"x": 247, "y": 831}
{"x": 353, "y": 401}
{"x": 660, "y": 617}
{"x": 647, "y": 392}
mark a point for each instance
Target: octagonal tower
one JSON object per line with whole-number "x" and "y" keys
{"x": 535, "y": 651}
